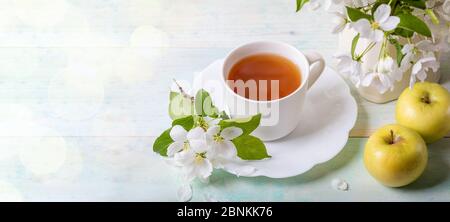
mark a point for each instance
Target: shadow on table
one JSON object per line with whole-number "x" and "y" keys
{"x": 437, "y": 169}
{"x": 351, "y": 150}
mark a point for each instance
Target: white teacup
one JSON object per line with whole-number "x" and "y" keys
{"x": 280, "y": 116}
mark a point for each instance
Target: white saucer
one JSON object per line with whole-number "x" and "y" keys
{"x": 328, "y": 115}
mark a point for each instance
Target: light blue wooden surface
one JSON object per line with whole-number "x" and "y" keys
{"x": 83, "y": 94}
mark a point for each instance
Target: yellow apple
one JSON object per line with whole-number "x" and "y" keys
{"x": 426, "y": 109}
{"x": 395, "y": 155}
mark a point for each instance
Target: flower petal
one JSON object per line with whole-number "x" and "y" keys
{"x": 382, "y": 13}
{"x": 184, "y": 158}
{"x": 386, "y": 83}
{"x": 407, "y": 48}
{"x": 339, "y": 21}
{"x": 422, "y": 75}
{"x": 228, "y": 150}
{"x": 363, "y": 27}
{"x": 367, "y": 80}
{"x": 412, "y": 81}
{"x": 175, "y": 147}
{"x": 178, "y": 133}
{"x": 214, "y": 121}
{"x": 184, "y": 193}
{"x": 203, "y": 169}
{"x": 240, "y": 170}
{"x": 377, "y": 35}
{"x": 390, "y": 24}
{"x": 230, "y": 133}
{"x": 338, "y": 28}
{"x": 196, "y": 133}
{"x": 314, "y": 4}
{"x": 426, "y": 45}
{"x": 199, "y": 146}
{"x": 213, "y": 130}
{"x": 416, "y": 68}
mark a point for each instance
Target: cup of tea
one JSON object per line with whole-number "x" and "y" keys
{"x": 271, "y": 78}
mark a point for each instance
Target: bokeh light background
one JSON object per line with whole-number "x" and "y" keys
{"x": 84, "y": 87}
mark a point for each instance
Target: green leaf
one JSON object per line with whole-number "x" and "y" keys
{"x": 180, "y": 106}
{"x": 246, "y": 124}
{"x": 300, "y": 4}
{"x": 186, "y": 122}
{"x": 412, "y": 23}
{"x": 162, "y": 142}
{"x": 355, "y": 14}
{"x": 250, "y": 148}
{"x": 403, "y": 33}
{"x": 415, "y": 3}
{"x": 204, "y": 105}
{"x": 354, "y": 43}
{"x": 398, "y": 48}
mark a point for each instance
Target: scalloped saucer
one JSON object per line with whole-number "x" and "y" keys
{"x": 328, "y": 115}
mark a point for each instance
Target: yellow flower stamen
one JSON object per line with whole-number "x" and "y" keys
{"x": 218, "y": 138}
{"x": 375, "y": 25}
{"x": 199, "y": 157}
{"x": 185, "y": 145}
{"x": 202, "y": 123}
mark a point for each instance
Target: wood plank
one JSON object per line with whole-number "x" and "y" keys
{"x": 119, "y": 168}
{"x": 315, "y": 185}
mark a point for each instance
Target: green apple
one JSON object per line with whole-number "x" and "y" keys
{"x": 395, "y": 155}
{"x": 426, "y": 109}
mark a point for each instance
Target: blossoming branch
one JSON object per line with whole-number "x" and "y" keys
{"x": 417, "y": 29}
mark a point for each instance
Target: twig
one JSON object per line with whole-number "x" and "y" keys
{"x": 182, "y": 91}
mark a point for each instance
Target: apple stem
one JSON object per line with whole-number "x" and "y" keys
{"x": 426, "y": 99}
{"x": 392, "y": 138}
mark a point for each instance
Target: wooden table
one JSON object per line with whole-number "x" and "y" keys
{"x": 84, "y": 88}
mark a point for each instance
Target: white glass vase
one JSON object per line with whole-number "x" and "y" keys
{"x": 369, "y": 61}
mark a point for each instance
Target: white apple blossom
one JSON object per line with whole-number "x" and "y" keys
{"x": 220, "y": 141}
{"x": 184, "y": 193}
{"x": 206, "y": 122}
{"x": 412, "y": 52}
{"x": 339, "y": 20}
{"x": 384, "y": 76}
{"x": 349, "y": 68}
{"x": 408, "y": 58}
{"x": 194, "y": 163}
{"x": 184, "y": 140}
{"x": 374, "y": 30}
{"x": 444, "y": 10}
{"x": 190, "y": 152}
{"x": 314, "y": 4}
{"x": 422, "y": 66}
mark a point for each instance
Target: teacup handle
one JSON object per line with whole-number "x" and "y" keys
{"x": 316, "y": 66}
